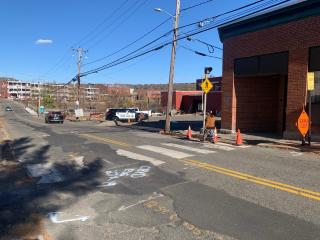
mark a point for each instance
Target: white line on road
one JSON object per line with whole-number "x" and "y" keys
{"x": 296, "y": 154}
{"x": 139, "y": 157}
{"x": 165, "y": 151}
{"x": 54, "y": 218}
{"x": 216, "y": 146}
{"x": 230, "y": 145}
{"x": 188, "y": 148}
{"x": 156, "y": 195}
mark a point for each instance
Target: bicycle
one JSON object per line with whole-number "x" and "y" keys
{"x": 208, "y": 133}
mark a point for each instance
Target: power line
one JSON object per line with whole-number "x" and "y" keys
{"x": 196, "y": 5}
{"x": 144, "y": 35}
{"x": 130, "y": 44}
{"x": 198, "y": 53}
{"x": 194, "y": 23}
{"x": 123, "y": 60}
{"x": 101, "y": 23}
{"x": 239, "y": 15}
{"x": 116, "y": 62}
{"x": 221, "y": 14}
{"x": 63, "y": 59}
{"x": 125, "y": 19}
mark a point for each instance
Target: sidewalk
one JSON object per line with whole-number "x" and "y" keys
{"x": 261, "y": 141}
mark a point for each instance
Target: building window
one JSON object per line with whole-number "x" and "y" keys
{"x": 315, "y": 94}
{"x": 314, "y": 59}
{"x": 268, "y": 64}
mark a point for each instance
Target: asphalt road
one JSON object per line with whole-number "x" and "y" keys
{"x": 83, "y": 181}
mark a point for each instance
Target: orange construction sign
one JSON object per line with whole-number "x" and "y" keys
{"x": 303, "y": 123}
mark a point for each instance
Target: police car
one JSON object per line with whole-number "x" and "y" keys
{"x": 125, "y": 114}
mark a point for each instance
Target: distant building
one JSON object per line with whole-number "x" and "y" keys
{"x": 15, "y": 89}
{"x": 91, "y": 92}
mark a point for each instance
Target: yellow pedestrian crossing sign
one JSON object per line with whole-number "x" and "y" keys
{"x": 206, "y": 86}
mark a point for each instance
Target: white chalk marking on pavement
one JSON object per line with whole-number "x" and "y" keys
{"x": 139, "y": 157}
{"x": 156, "y": 195}
{"x": 54, "y": 218}
{"x": 165, "y": 151}
{"x": 216, "y": 146}
{"x": 188, "y": 148}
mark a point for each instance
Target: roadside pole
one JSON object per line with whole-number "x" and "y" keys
{"x": 204, "y": 111}
{"x": 310, "y": 80}
{"x": 172, "y": 63}
{"x": 39, "y": 99}
{"x": 206, "y": 87}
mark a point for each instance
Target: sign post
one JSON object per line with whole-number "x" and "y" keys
{"x": 206, "y": 87}
{"x": 310, "y": 80}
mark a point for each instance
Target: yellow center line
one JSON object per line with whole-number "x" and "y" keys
{"x": 106, "y": 140}
{"x": 266, "y": 182}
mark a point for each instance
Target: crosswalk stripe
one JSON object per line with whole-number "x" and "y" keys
{"x": 230, "y": 145}
{"x": 216, "y": 146}
{"x": 188, "y": 148}
{"x": 139, "y": 157}
{"x": 165, "y": 151}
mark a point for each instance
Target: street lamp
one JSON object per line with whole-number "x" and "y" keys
{"x": 164, "y": 11}
{"x": 173, "y": 55}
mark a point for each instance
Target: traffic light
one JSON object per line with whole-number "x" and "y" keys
{"x": 207, "y": 70}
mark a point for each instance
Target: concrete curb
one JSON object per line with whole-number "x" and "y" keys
{"x": 196, "y": 137}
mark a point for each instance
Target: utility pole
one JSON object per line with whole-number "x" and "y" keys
{"x": 39, "y": 99}
{"x": 80, "y": 52}
{"x": 171, "y": 74}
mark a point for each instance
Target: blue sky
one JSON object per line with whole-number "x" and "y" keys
{"x": 65, "y": 23}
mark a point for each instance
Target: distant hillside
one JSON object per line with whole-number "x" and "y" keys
{"x": 162, "y": 87}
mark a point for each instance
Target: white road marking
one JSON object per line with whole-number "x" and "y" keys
{"x": 139, "y": 157}
{"x": 230, "y": 145}
{"x": 296, "y": 154}
{"x": 156, "y": 195}
{"x": 188, "y": 148}
{"x": 54, "y": 218}
{"x": 216, "y": 146}
{"x": 165, "y": 151}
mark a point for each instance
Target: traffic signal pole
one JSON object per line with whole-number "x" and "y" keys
{"x": 207, "y": 71}
{"x": 204, "y": 108}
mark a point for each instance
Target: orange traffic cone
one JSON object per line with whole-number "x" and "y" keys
{"x": 189, "y": 133}
{"x": 215, "y": 136}
{"x": 239, "y": 138}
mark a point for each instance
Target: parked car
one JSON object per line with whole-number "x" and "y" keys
{"x": 120, "y": 114}
{"x": 125, "y": 114}
{"x": 8, "y": 109}
{"x": 54, "y": 116}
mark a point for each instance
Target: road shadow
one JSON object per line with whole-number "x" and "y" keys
{"x": 24, "y": 202}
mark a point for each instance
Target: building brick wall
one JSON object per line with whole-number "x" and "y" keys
{"x": 261, "y": 103}
{"x": 295, "y": 37}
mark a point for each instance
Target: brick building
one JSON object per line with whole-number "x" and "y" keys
{"x": 191, "y": 101}
{"x": 266, "y": 58}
